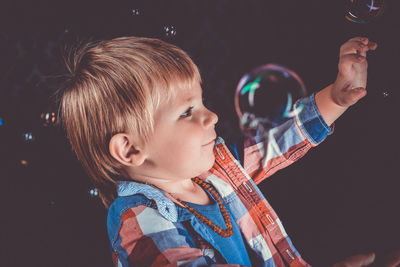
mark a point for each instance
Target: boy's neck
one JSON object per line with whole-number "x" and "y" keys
{"x": 185, "y": 190}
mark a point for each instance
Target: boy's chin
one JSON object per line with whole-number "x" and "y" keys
{"x": 209, "y": 165}
{"x": 205, "y": 168}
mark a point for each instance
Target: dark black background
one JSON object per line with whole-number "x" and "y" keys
{"x": 342, "y": 198}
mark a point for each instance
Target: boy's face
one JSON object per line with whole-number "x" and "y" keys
{"x": 181, "y": 146}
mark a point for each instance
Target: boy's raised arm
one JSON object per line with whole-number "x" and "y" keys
{"x": 351, "y": 81}
{"x": 288, "y": 142}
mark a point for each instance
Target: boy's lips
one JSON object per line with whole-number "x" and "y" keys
{"x": 211, "y": 142}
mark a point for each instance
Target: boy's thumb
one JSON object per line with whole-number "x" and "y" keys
{"x": 357, "y": 260}
{"x": 367, "y": 259}
{"x": 356, "y": 94}
{"x": 362, "y": 260}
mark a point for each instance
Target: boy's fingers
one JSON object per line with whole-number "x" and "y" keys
{"x": 360, "y": 39}
{"x": 392, "y": 260}
{"x": 372, "y": 45}
{"x": 354, "y": 47}
{"x": 358, "y": 45}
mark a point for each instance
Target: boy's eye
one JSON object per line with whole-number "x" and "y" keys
{"x": 187, "y": 113}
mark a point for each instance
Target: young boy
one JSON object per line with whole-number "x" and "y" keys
{"x": 133, "y": 112}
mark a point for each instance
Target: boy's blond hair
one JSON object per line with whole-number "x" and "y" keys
{"x": 114, "y": 87}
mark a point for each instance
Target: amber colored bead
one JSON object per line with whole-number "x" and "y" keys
{"x": 225, "y": 214}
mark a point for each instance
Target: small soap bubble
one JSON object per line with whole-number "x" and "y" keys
{"x": 48, "y": 118}
{"x": 52, "y": 203}
{"x": 135, "y": 12}
{"x": 66, "y": 34}
{"x": 385, "y": 94}
{"x": 93, "y": 192}
{"x": 1, "y": 121}
{"x": 28, "y": 137}
{"x": 363, "y": 11}
{"x": 24, "y": 162}
{"x": 169, "y": 30}
{"x": 266, "y": 97}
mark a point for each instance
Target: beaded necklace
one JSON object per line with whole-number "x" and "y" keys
{"x": 225, "y": 214}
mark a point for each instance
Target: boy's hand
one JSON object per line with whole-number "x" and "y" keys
{"x": 357, "y": 261}
{"x": 351, "y": 82}
{"x": 390, "y": 260}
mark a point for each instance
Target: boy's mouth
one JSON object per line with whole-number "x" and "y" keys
{"x": 211, "y": 142}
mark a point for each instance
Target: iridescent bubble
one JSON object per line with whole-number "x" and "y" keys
{"x": 93, "y": 192}
{"x": 1, "y": 121}
{"x": 135, "y": 12}
{"x": 169, "y": 30}
{"x": 28, "y": 137}
{"x": 385, "y": 94}
{"x": 362, "y": 11}
{"x": 266, "y": 97}
{"x": 66, "y": 35}
{"x": 48, "y": 118}
{"x": 24, "y": 162}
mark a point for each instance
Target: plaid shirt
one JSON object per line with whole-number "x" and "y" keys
{"x": 147, "y": 227}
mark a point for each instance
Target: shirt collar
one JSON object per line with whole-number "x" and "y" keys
{"x": 165, "y": 206}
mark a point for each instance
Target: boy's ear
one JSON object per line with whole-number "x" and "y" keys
{"x": 123, "y": 149}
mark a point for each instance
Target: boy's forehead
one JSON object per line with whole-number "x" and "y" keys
{"x": 186, "y": 94}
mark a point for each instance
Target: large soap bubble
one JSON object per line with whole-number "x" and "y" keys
{"x": 266, "y": 97}
{"x": 362, "y": 11}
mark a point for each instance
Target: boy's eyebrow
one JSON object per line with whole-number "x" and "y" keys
{"x": 190, "y": 98}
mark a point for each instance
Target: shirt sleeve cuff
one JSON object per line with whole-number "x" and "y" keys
{"x": 310, "y": 121}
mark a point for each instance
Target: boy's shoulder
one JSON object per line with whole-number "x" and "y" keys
{"x": 123, "y": 203}
{"x": 136, "y": 216}
{"x": 124, "y": 208}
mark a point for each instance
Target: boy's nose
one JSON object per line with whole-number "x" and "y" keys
{"x": 211, "y": 118}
